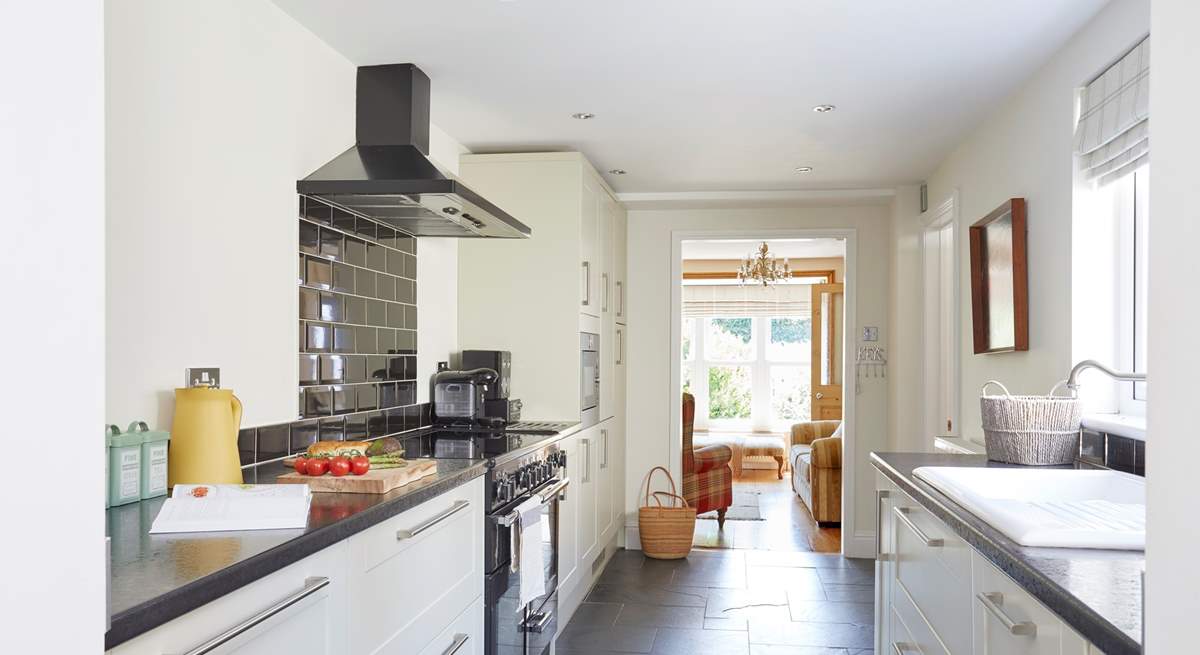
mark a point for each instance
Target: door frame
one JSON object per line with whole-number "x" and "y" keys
{"x": 856, "y": 541}
{"x": 945, "y": 214}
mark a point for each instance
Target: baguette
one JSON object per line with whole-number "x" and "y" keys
{"x": 337, "y": 448}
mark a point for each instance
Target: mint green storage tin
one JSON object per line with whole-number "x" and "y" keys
{"x": 124, "y": 468}
{"x": 154, "y": 459}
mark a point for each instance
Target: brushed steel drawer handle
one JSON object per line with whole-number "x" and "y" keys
{"x": 880, "y": 494}
{"x": 930, "y": 542}
{"x": 587, "y": 284}
{"x": 898, "y": 648}
{"x": 311, "y": 586}
{"x": 458, "y": 506}
{"x": 993, "y": 602}
{"x": 459, "y": 640}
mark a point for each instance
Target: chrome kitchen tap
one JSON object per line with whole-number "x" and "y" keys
{"x": 1073, "y": 378}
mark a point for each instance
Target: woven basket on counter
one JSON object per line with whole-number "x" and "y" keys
{"x": 666, "y": 530}
{"x": 1030, "y": 430}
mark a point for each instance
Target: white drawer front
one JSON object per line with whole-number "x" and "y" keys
{"x": 1010, "y": 622}
{"x": 913, "y": 634}
{"x": 934, "y": 567}
{"x": 289, "y": 602}
{"x": 462, "y": 637}
{"x": 408, "y": 587}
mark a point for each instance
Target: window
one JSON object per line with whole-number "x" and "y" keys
{"x": 756, "y": 372}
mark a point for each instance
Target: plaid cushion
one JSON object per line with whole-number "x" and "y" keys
{"x": 710, "y": 457}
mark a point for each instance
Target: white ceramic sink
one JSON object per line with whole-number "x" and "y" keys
{"x": 1059, "y": 508}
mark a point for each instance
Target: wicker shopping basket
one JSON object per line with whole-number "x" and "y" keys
{"x": 666, "y": 530}
{"x": 1030, "y": 430}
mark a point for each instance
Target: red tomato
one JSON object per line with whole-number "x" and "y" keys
{"x": 299, "y": 464}
{"x": 360, "y": 464}
{"x": 316, "y": 466}
{"x": 339, "y": 466}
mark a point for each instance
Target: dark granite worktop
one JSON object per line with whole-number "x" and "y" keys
{"x": 156, "y": 578}
{"x": 1096, "y": 592}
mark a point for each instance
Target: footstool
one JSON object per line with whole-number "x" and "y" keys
{"x": 766, "y": 446}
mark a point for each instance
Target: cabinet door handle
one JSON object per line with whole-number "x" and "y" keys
{"x": 620, "y": 298}
{"x": 587, "y": 459}
{"x": 993, "y": 602}
{"x": 880, "y": 494}
{"x": 603, "y": 449}
{"x": 930, "y": 542}
{"x": 587, "y": 284}
{"x": 459, "y": 640}
{"x": 604, "y": 288}
{"x": 311, "y": 586}
{"x": 620, "y": 345}
{"x": 458, "y": 506}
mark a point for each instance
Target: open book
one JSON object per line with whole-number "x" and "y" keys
{"x": 217, "y": 507}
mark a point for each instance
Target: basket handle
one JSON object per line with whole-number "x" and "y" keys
{"x": 983, "y": 390}
{"x": 650, "y": 476}
{"x": 656, "y": 494}
{"x": 1062, "y": 383}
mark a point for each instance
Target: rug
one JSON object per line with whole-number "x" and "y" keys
{"x": 744, "y": 508}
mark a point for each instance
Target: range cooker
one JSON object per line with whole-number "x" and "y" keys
{"x": 522, "y": 465}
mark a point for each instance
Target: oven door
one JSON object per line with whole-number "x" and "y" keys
{"x": 589, "y": 383}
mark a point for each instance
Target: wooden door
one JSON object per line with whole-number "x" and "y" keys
{"x": 828, "y": 302}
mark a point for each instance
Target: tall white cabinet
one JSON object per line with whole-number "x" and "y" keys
{"x": 533, "y": 297}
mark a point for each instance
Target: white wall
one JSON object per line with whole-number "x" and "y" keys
{"x": 1172, "y": 531}
{"x": 214, "y": 111}
{"x": 651, "y": 401}
{"x": 52, "y": 164}
{"x": 1024, "y": 149}
{"x": 904, "y": 319}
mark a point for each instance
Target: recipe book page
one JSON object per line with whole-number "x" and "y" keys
{"x": 219, "y": 507}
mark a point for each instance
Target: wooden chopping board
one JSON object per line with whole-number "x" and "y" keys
{"x": 372, "y": 482}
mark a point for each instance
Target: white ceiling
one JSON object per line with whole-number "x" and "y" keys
{"x": 739, "y": 248}
{"x": 694, "y": 95}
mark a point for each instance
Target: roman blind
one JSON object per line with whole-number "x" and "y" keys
{"x": 1112, "y": 136}
{"x": 729, "y": 300}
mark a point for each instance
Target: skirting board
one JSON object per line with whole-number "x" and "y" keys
{"x": 862, "y": 546}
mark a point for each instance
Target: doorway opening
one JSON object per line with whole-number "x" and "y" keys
{"x": 761, "y": 362}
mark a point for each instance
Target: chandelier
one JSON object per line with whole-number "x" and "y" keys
{"x": 762, "y": 267}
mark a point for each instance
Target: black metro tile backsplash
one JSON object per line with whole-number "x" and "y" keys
{"x": 358, "y": 336}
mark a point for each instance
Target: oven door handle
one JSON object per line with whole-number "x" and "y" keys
{"x": 512, "y": 521}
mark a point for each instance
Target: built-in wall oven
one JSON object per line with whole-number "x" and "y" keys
{"x": 589, "y": 378}
{"x": 514, "y": 628}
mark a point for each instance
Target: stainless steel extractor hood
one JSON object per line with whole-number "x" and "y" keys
{"x": 388, "y": 176}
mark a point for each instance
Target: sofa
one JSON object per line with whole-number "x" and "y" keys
{"x": 707, "y": 476}
{"x": 816, "y": 459}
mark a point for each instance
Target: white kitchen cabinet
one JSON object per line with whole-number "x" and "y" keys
{"x": 620, "y": 264}
{"x": 298, "y": 609}
{"x": 605, "y": 492}
{"x": 399, "y": 602}
{"x": 607, "y": 259}
{"x": 464, "y": 636}
{"x": 935, "y": 594}
{"x": 568, "y": 516}
{"x": 550, "y": 286}
{"x": 587, "y": 536}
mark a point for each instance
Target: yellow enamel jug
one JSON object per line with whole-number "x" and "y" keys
{"x": 204, "y": 437}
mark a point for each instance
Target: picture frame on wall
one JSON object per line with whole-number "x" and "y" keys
{"x": 999, "y": 280}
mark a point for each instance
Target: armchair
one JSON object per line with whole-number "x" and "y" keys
{"x": 816, "y": 457}
{"x": 707, "y": 476}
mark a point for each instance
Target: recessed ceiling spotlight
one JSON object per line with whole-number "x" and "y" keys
{"x": 804, "y": 169}
{"x": 616, "y": 171}
{"x": 824, "y": 109}
{"x": 583, "y": 115}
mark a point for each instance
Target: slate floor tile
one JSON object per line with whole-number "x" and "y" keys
{"x": 801, "y": 580}
{"x": 775, "y": 649}
{"x": 808, "y": 633}
{"x": 657, "y": 616}
{"x": 712, "y": 623}
{"x": 666, "y": 595}
{"x": 645, "y": 576}
{"x": 847, "y": 575}
{"x": 850, "y": 593}
{"x": 615, "y": 639}
{"x": 596, "y": 615}
{"x": 823, "y": 611}
{"x": 672, "y": 641}
{"x": 796, "y": 559}
{"x": 744, "y": 603}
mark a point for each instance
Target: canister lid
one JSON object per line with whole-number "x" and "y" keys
{"x": 118, "y": 439}
{"x": 145, "y": 434}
